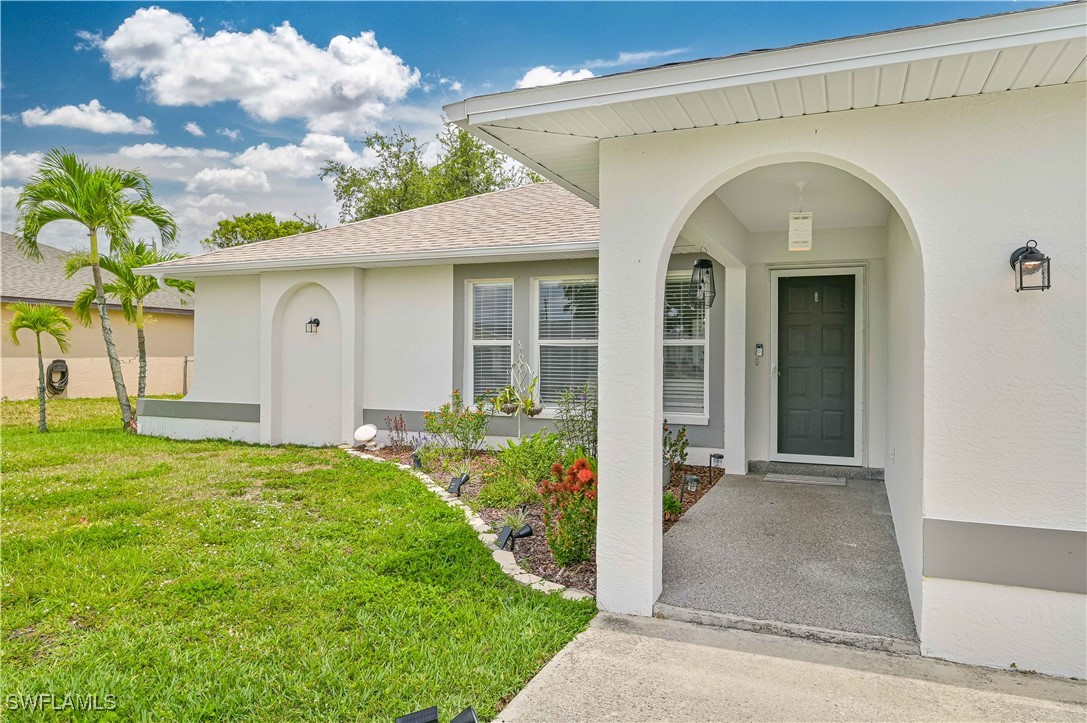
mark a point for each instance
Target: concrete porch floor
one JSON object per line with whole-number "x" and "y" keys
{"x": 812, "y": 555}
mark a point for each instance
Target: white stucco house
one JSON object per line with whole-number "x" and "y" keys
{"x": 895, "y": 341}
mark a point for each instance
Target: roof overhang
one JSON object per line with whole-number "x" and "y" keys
{"x": 556, "y": 130}
{"x": 537, "y": 252}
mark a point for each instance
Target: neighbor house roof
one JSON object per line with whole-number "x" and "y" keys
{"x": 42, "y": 280}
{"x": 538, "y": 219}
{"x": 557, "y": 129}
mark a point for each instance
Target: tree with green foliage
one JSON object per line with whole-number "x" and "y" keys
{"x": 40, "y": 319}
{"x": 127, "y": 287}
{"x": 401, "y": 180}
{"x": 101, "y": 199}
{"x": 250, "y": 227}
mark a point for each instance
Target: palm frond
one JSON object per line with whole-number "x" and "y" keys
{"x": 39, "y": 319}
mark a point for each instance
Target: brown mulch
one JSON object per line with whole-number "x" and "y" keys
{"x": 705, "y": 484}
{"x": 532, "y": 553}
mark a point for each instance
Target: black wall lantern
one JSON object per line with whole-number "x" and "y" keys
{"x": 703, "y": 291}
{"x": 312, "y": 324}
{"x": 1031, "y": 268}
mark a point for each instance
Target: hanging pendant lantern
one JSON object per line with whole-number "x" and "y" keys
{"x": 703, "y": 291}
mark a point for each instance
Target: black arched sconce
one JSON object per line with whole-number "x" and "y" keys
{"x": 312, "y": 324}
{"x": 1031, "y": 268}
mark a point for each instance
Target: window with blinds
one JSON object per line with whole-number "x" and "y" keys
{"x": 684, "y": 350}
{"x": 492, "y": 337}
{"x": 567, "y": 326}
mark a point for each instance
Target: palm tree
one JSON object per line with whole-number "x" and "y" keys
{"x": 40, "y": 319}
{"x": 127, "y": 287}
{"x": 102, "y": 199}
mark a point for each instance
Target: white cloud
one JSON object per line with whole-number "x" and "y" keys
{"x": 20, "y": 166}
{"x": 194, "y": 128}
{"x": 230, "y": 133}
{"x": 159, "y": 150}
{"x": 89, "y": 117}
{"x": 643, "y": 57}
{"x": 454, "y": 85}
{"x": 543, "y": 75}
{"x": 228, "y": 180}
{"x": 302, "y": 160}
{"x": 344, "y": 87}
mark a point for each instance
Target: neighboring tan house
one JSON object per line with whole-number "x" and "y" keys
{"x": 891, "y": 342}
{"x": 169, "y": 333}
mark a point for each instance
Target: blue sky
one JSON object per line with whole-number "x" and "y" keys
{"x": 228, "y": 111}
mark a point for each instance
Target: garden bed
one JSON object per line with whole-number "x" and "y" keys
{"x": 533, "y": 553}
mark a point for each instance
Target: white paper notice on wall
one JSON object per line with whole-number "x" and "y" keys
{"x": 800, "y": 231}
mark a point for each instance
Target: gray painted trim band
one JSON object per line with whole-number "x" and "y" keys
{"x": 184, "y": 409}
{"x": 499, "y": 426}
{"x": 1034, "y": 557}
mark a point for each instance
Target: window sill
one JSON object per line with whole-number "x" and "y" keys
{"x": 689, "y": 420}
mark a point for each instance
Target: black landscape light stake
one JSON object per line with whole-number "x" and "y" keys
{"x": 717, "y": 464}
{"x": 1031, "y": 268}
{"x": 312, "y": 324}
{"x": 468, "y": 715}
{"x": 456, "y": 483}
{"x": 427, "y": 715}
{"x": 690, "y": 484}
{"x": 509, "y": 536}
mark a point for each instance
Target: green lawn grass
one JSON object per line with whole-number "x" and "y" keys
{"x": 213, "y": 580}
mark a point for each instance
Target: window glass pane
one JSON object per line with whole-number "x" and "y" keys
{"x": 681, "y": 321}
{"x": 568, "y": 309}
{"x": 684, "y": 379}
{"x": 565, "y": 367}
{"x": 492, "y": 312}
{"x": 490, "y": 369}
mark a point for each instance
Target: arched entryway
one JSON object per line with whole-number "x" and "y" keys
{"x": 823, "y": 347}
{"x": 306, "y": 374}
{"x": 865, "y": 256}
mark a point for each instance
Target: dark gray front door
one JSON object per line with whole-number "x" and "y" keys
{"x": 816, "y": 365}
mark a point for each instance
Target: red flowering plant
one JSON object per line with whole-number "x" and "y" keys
{"x": 569, "y": 501}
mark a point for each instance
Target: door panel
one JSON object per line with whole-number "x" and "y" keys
{"x": 816, "y": 365}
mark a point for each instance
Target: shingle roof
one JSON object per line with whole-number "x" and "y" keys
{"x": 24, "y": 279}
{"x": 536, "y": 214}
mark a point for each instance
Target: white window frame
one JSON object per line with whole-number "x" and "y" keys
{"x": 470, "y": 343}
{"x": 690, "y": 419}
{"x": 549, "y": 412}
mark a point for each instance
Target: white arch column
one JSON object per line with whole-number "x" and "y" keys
{"x": 633, "y": 237}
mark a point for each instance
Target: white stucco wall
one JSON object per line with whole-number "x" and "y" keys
{"x": 904, "y": 395}
{"x": 307, "y": 372}
{"x": 177, "y": 428}
{"x": 999, "y": 626}
{"x": 973, "y": 179}
{"x": 227, "y": 340}
{"x": 407, "y": 359}
{"x": 277, "y": 290}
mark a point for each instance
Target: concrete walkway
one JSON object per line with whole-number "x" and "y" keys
{"x": 644, "y": 669}
{"x": 818, "y": 556}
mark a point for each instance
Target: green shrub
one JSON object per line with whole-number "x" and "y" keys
{"x": 576, "y": 418}
{"x": 529, "y": 458}
{"x": 504, "y": 492}
{"x": 456, "y": 426}
{"x": 569, "y": 500}
{"x": 672, "y": 508}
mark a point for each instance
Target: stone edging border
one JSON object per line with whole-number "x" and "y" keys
{"x": 504, "y": 558}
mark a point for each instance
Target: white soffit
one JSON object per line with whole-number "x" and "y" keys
{"x": 556, "y": 129}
